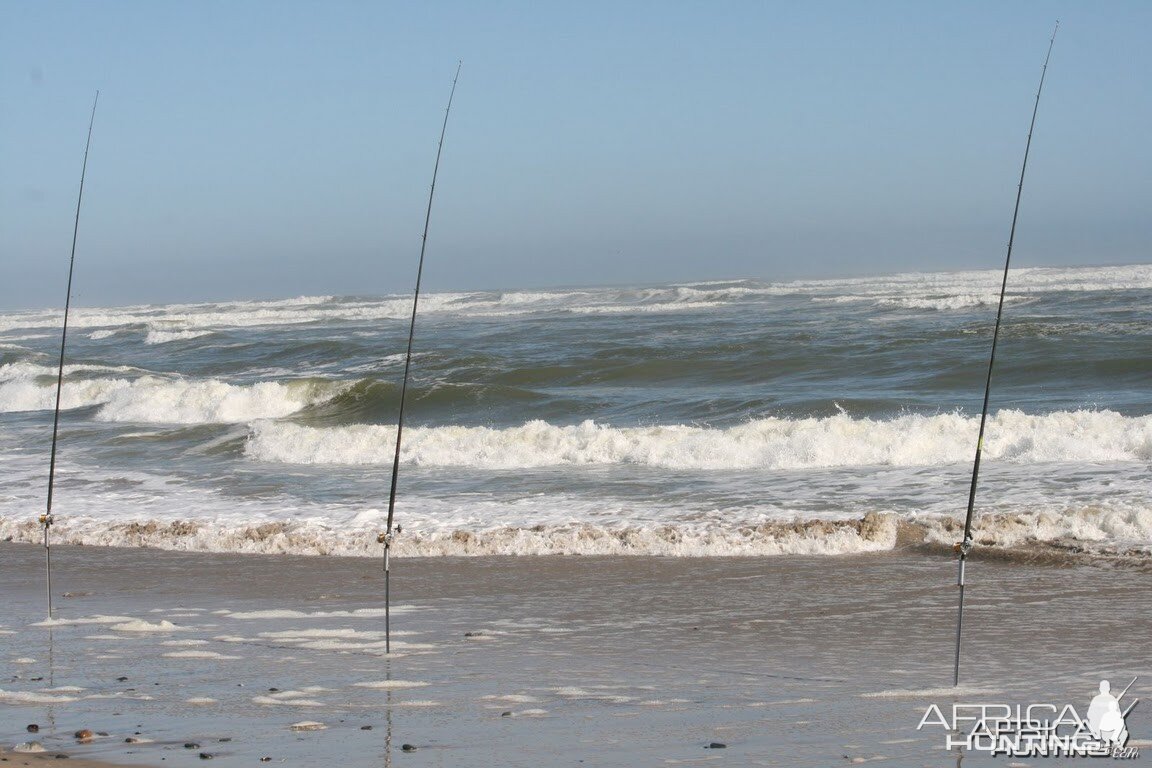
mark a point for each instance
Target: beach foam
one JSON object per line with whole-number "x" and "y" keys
{"x": 139, "y": 625}
{"x": 1106, "y": 528}
{"x": 951, "y": 692}
{"x": 32, "y": 697}
{"x": 199, "y": 655}
{"x": 84, "y": 620}
{"x": 391, "y": 684}
{"x": 872, "y": 533}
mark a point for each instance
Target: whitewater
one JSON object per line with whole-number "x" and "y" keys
{"x": 716, "y": 418}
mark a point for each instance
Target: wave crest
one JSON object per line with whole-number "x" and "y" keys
{"x": 772, "y": 443}
{"x": 920, "y": 290}
{"x": 1090, "y": 531}
{"x": 157, "y": 399}
{"x": 873, "y": 532}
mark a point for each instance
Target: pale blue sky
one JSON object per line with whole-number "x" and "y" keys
{"x": 249, "y": 149}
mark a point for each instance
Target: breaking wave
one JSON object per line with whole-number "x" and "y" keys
{"x": 716, "y": 431}
{"x": 1095, "y": 531}
{"x": 205, "y": 402}
{"x": 163, "y": 337}
{"x": 773, "y": 443}
{"x": 814, "y": 537}
{"x": 155, "y": 399}
{"x": 940, "y": 291}
{"x": 982, "y": 286}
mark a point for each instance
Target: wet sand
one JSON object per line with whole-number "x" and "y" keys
{"x": 17, "y": 759}
{"x": 544, "y": 660}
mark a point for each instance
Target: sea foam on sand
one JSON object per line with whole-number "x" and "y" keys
{"x": 391, "y": 684}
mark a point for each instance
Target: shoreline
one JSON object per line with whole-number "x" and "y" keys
{"x": 508, "y": 661}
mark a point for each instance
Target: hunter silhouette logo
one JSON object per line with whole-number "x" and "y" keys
{"x": 1039, "y": 729}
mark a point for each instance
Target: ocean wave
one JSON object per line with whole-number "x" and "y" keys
{"x": 915, "y": 290}
{"x": 813, "y": 537}
{"x": 206, "y": 402}
{"x": 1074, "y": 532}
{"x": 772, "y": 443}
{"x": 163, "y": 337}
{"x": 1091, "y": 529}
{"x": 151, "y": 398}
{"x": 985, "y": 282}
{"x": 959, "y": 301}
{"x": 185, "y": 318}
{"x": 223, "y": 314}
{"x": 940, "y": 303}
{"x": 28, "y": 387}
{"x": 623, "y": 309}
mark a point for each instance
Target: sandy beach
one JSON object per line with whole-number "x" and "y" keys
{"x": 168, "y": 656}
{"x": 16, "y": 758}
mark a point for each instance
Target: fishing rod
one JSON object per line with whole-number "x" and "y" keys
{"x": 46, "y": 518}
{"x": 1131, "y": 707}
{"x": 388, "y": 720}
{"x": 390, "y": 532}
{"x": 965, "y": 547}
{"x": 1127, "y": 687}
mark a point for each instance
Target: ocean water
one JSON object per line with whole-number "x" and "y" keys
{"x": 720, "y": 418}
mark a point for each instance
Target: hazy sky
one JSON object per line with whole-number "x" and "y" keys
{"x": 248, "y": 149}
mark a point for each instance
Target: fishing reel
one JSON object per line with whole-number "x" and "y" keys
{"x": 962, "y": 548}
{"x": 46, "y": 520}
{"x": 387, "y": 537}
